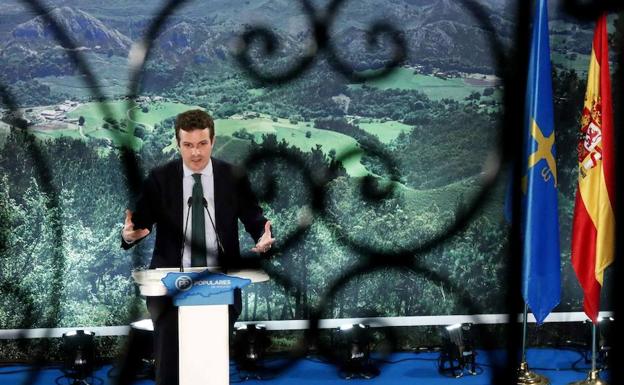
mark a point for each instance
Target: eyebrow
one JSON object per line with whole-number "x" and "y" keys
{"x": 200, "y": 142}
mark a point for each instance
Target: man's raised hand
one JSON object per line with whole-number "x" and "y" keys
{"x": 265, "y": 241}
{"x": 128, "y": 233}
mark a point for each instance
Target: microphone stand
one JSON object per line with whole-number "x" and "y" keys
{"x": 219, "y": 243}
{"x": 189, "y": 202}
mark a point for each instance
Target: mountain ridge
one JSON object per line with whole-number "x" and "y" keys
{"x": 86, "y": 32}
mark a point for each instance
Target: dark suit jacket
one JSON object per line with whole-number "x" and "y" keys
{"x": 161, "y": 204}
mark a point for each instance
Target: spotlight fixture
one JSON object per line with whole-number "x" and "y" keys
{"x": 79, "y": 352}
{"x": 353, "y": 347}
{"x": 457, "y": 355}
{"x": 251, "y": 342}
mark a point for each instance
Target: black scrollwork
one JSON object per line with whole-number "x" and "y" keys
{"x": 320, "y": 22}
{"x": 510, "y": 67}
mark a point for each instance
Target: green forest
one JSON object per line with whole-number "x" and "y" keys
{"x": 77, "y": 216}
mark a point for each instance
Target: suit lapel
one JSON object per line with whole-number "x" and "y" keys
{"x": 221, "y": 206}
{"x": 219, "y": 193}
{"x": 177, "y": 201}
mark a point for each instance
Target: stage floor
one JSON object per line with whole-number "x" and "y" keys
{"x": 560, "y": 366}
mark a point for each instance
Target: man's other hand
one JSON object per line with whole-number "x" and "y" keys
{"x": 265, "y": 241}
{"x": 129, "y": 234}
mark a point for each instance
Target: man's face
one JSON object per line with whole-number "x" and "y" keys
{"x": 195, "y": 148}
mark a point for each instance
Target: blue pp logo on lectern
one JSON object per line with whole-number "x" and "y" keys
{"x": 183, "y": 283}
{"x": 202, "y": 288}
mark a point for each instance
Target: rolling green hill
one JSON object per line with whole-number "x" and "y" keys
{"x": 300, "y": 135}
{"x": 385, "y": 131}
{"x": 434, "y": 87}
{"x": 124, "y": 110}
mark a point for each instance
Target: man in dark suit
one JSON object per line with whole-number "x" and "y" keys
{"x": 199, "y": 197}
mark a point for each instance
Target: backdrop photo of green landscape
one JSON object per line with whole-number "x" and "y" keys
{"x": 437, "y": 117}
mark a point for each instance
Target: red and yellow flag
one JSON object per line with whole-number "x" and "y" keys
{"x": 593, "y": 228}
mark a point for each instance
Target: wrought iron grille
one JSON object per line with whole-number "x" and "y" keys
{"x": 510, "y": 67}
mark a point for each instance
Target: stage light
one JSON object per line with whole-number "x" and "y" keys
{"x": 79, "y": 352}
{"x": 353, "y": 347}
{"x": 251, "y": 342}
{"x": 457, "y": 355}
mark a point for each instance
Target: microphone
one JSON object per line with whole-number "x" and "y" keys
{"x": 219, "y": 244}
{"x": 189, "y": 202}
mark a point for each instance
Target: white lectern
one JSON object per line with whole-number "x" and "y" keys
{"x": 202, "y": 296}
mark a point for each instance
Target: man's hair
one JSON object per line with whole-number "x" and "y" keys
{"x": 194, "y": 120}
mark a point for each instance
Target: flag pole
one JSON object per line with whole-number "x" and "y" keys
{"x": 524, "y": 330}
{"x": 525, "y": 376}
{"x": 593, "y": 377}
{"x": 593, "y": 368}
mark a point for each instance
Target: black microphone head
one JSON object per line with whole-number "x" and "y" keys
{"x": 189, "y": 202}
{"x": 205, "y": 202}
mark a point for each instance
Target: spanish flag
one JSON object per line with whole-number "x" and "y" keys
{"x": 593, "y": 227}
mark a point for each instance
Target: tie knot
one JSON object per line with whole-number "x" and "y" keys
{"x": 197, "y": 178}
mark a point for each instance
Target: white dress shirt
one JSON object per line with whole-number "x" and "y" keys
{"x": 207, "y": 181}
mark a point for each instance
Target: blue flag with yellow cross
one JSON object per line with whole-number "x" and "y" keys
{"x": 541, "y": 280}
